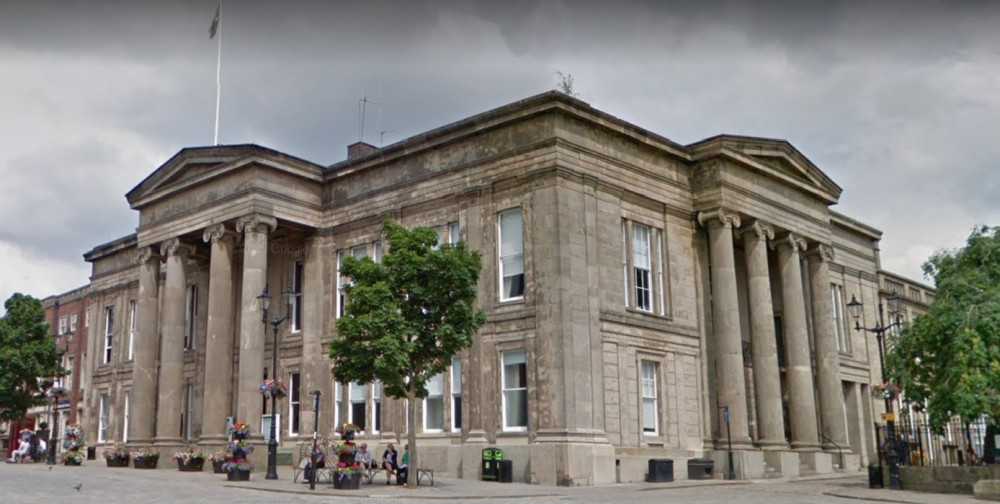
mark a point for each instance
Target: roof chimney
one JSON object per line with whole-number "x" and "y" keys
{"x": 358, "y": 149}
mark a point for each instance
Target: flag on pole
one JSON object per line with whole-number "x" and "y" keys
{"x": 215, "y": 23}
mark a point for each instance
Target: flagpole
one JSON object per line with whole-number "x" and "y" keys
{"x": 218, "y": 78}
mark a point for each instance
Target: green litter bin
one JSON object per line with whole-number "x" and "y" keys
{"x": 491, "y": 463}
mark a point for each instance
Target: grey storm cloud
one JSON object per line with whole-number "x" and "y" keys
{"x": 894, "y": 100}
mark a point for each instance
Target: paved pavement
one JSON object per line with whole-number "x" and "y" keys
{"x": 94, "y": 483}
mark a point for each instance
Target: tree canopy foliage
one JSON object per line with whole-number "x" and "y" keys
{"x": 27, "y": 355}
{"x": 949, "y": 357}
{"x": 407, "y": 315}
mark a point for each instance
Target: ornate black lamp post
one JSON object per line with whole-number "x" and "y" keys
{"x": 312, "y": 453}
{"x": 54, "y": 394}
{"x": 854, "y": 308}
{"x": 272, "y": 444}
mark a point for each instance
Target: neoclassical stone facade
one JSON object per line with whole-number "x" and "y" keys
{"x": 636, "y": 288}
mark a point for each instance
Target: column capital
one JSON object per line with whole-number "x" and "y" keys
{"x": 252, "y": 223}
{"x": 724, "y": 217}
{"x": 792, "y": 240}
{"x": 144, "y": 254}
{"x": 761, "y": 229}
{"x": 216, "y": 232}
{"x": 173, "y": 246}
{"x": 821, "y": 252}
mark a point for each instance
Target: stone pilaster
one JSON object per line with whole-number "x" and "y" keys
{"x": 798, "y": 365}
{"x": 171, "y": 382}
{"x": 315, "y": 363}
{"x": 219, "y": 343}
{"x": 726, "y": 324}
{"x": 831, "y": 395}
{"x": 255, "y": 229}
{"x": 142, "y": 403}
{"x": 764, "y": 351}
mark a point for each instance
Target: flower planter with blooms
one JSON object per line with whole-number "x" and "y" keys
{"x": 885, "y": 390}
{"x": 236, "y": 466}
{"x": 72, "y": 458}
{"x": 273, "y": 388}
{"x": 217, "y": 459}
{"x": 74, "y": 431}
{"x": 241, "y": 430}
{"x": 347, "y": 476}
{"x": 145, "y": 458}
{"x": 117, "y": 456}
{"x": 190, "y": 460}
{"x": 346, "y": 452}
{"x": 347, "y": 431}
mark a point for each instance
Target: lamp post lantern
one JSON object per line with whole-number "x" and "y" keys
{"x": 264, "y": 300}
{"x": 854, "y": 308}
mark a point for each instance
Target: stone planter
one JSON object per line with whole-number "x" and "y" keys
{"x": 193, "y": 465}
{"x": 238, "y": 475}
{"x": 145, "y": 462}
{"x": 117, "y": 462}
{"x": 347, "y": 481}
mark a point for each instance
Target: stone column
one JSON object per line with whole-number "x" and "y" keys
{"x": 764, "y": 350}
{"x": 726, "y": 324}
{"x": 255, "y": 228}
{"x": 315, "y": 363}
{"x": 219, "y": 343}
{"x": 831, "y": 396}
{"x": 798, "y": 369}
{"x": 142, "y": 403}
{"x": 171, "y": 381}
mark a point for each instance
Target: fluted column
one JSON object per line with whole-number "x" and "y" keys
{"x": 171, "y": 382}
{"x": 831, "y": 395}
{"x": 798, "y": 368}
{"x": 764, "y": 350}
{"x": 255, "y": 228}
{"x": 315, "y": 363}
{"x": 219, "y": 341}
{"x": 726, "y": 323}
{"x": 142, "y": 402}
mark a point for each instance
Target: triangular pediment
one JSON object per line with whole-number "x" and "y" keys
{"x": 773, "y": 158}
{"x": 198, "y": 165}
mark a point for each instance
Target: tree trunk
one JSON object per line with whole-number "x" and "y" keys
{"x": 411, "y": 436}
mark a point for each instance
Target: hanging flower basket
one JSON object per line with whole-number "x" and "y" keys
{"x": 273, "y": 388}
{"x": 885, "y": 391}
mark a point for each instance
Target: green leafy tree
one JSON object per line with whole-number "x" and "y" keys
{"x": 407, "y": 316}
{"x": 949, "y": 357}
{"x": 27, "y": 354}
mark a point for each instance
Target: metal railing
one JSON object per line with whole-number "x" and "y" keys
{"x": 956, "y": 443}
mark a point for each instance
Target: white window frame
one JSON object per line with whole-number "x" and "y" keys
{"x": 338, "y": 400}
{"x": 131, "y": 329}
{"x": 513, "y": 358}
{"x": 454, "y": 233}
{"x": 653, "y": 269}
{"x": 109, "y": 323}
{"x": 125, "y": 415}
{"x": 434, "y": 394}
{"x": 191, "y": 317}
{"x": 376, "y": 407}
{"x": 649, "y": 407}
{"x": 296, "y": 313}
{"x": 294, "y": 404}
{"x": 352, "y": 399}
{"x": 341, "y": 282}
{"x": 265, "y": 427}
{"x": 516, "y": 251}
{"x": 73, "y": 319}
{"x": 839, "y": 322}
{"x": 102, "y": 419}
{"x": 455, "y": 374}
{"x": 86, "y": 318}
{"x": 67, "y": 380}
{"x": 63, "y": 323}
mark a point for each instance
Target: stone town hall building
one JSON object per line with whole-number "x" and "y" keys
{"x": 634, "y": 288}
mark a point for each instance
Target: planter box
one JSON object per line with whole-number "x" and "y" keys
{"x": 117, "y": 462}
{"x": 347, "y": 482}
{"x": 238, "y": 475}
{"x": 193, "y": 465}
{"x": 217, "y": 466}
{"x": 145, "y": 462}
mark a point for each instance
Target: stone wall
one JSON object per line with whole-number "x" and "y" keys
{"x": 949, "y": 479}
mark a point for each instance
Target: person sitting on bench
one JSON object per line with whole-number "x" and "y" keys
{"x": 404, "y": 466}
{"x": 389, "y": 462}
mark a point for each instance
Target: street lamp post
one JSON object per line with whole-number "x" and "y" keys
{"x": 312, "y": 453}
{"x": 854, "y": 308}
{"x": 272, "y": 444}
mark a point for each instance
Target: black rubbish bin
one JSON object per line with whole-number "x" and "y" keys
{"x": 875, "y": 476}
{"x": 91, "y": 453}
{"x": 491, "y": 463}
{"x": 660, "y": 471}
{"x": 506, "y": 471}
{"x": 700, "y": 468}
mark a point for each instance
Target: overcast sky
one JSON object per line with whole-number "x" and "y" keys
{"x": 898, "y": 102}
